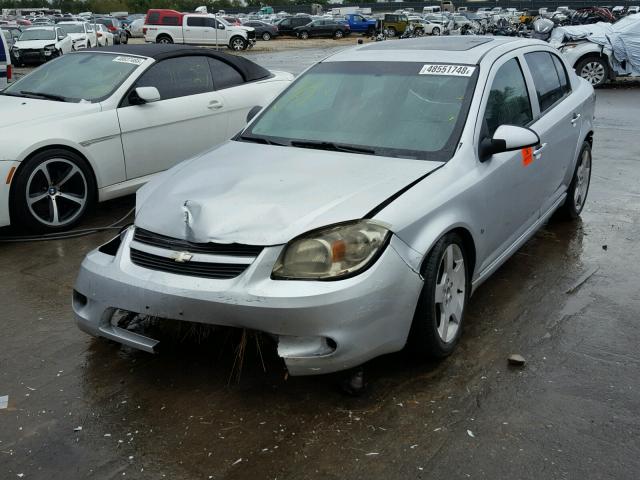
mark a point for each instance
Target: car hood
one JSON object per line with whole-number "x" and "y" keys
{"x": 20, "y": 110}
{"x": 75, "y": 36}
{"x": 34, "y": 44}
{"x": 267, "y": 195}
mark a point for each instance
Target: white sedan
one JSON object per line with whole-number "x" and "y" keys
{"x": 40, "y": 44}
{"x": 95, "y": 125}
{"x": 82, "y": 34}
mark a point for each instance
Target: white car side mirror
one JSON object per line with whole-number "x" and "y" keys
{"x": 507, "y": 138}
{"x": 144, "y": 95}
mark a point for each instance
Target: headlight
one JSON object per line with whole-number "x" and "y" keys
{"x": 333, "y": 252}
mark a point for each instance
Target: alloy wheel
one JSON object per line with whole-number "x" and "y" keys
{"x": 583, "y": 177}
{"x": 338, "y": 34}
{"x": 266, "y": 36}
{"x": 593, "y": 72}
{"x": 450, "y": 293}
{"x": 56, "y": 192}
{"x": 237, "y": 44}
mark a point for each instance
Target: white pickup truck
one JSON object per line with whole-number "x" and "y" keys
{"x": 170, "y": 26}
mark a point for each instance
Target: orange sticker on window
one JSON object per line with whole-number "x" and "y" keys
{"x": 527, "y": 156}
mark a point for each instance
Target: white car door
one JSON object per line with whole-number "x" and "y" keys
{"x": 64, "y": 42}
{"x": 558, "y": 124}
{"x": 189, "y": 118}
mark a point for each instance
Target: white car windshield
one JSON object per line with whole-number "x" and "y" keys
{"x": 38, "y": 34}
{"x": 396, "y": 109}
{"x": 86, "y": 76}
{"x": 72, "y": 28}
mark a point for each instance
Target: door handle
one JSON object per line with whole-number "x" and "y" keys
{"x": 215, "y": 105}
{"x": 537, "y": 152}
{"x": 576, "y": 117}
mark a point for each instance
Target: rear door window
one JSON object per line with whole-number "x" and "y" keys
{"x": 196, "y": 22}
{"x": 224, "y": 75}
{"x": 565, "y": 85}
{"x": 509, "y": 102}
{"x": 179, "y": 77}
{"x": 545, "y": 79}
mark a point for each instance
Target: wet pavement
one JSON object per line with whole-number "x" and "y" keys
{"x": 568, "y": 301}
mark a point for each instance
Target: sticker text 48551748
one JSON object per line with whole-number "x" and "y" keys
{"x": 452, "y": 70}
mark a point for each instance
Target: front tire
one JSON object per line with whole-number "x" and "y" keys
{"x": 304, "y": 35}
{"x": 391, "y": 32}
{"x": 266, "y": 36}
{"x": 52, "y": 191}
{"x": 435, "y": 31}
{"x": 594, "y": 70}
{"x": 579, "y": 187}
{"x": 338, "y": 34}
{"x": 437, "y": 324}
{"x": 238, "y": 43}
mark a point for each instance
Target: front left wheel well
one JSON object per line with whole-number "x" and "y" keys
{"x": 469, "y": 248}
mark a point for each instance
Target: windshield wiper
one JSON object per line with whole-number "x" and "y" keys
{"x": 262, "y": 140}
{"x": 336, "y": 147}
{"x": 48, "y": 96}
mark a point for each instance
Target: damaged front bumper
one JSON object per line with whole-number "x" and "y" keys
{"x": 321, "y": 327}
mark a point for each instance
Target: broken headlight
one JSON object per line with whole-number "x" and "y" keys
{"x": 333, "y": 252}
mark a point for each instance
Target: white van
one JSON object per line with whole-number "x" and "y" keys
{"x": 5, "y": 63}
{"x": 431, "y": 9}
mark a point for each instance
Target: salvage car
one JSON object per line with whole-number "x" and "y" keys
{"x": 97, "y": 124}
{"x": 359, "y": 210}
{"x": 41, "y": 44}
{"x": 5, "y": 59}
{"x": 601, "y": 52}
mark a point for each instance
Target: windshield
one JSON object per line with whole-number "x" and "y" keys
{"x": 392, "y": 109}
{"x": 38, "y": 34}
{"x": 80, "y": 76}
{"x": 72, "y": 28}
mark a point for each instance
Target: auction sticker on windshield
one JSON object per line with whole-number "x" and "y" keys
{"x": 452, "y": 70}
{"x": 132, "y": 60}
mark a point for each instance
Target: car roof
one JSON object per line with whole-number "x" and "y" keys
{"x": 72, "y": 22}
{"x": 42, "y": 27}
{"x": 158, "y": 51}
{"x": 465, "y": 49}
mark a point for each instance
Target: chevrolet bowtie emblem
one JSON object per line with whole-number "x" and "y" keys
{"x": 181, "y": 257}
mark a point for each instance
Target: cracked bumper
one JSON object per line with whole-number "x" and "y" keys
{"x": 366, "y": 316}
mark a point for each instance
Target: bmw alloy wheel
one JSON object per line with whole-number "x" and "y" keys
{"x": 57, "y": 192}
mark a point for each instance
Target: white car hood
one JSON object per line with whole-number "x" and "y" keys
{"x": 18, "y": 110}
{"x": 76, "y": 36}
{"x": 267, "y": 195}
{"x": 34, "y": 44}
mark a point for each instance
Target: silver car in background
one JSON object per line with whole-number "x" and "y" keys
{"x": 357, "y": 212}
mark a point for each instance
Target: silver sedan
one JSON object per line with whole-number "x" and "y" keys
{"x": 357, "y": 213}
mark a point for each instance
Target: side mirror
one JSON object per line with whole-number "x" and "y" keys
{"x": 60, "y": 37}
{"x": 220, "y": 26}
{"x": 253, "y": 112}
{"x": 142, "y": 95}
{"x": 507, "y": 138}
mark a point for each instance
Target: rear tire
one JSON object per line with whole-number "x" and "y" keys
{"x": 164, "y": 39}
{"x": 579, "y": 187}
{"x": 443, "y": 299}
{"x": 304, "y": 35}
{"x": 338, "y": 34}
{"x": 266, "y": 36}
{"x": 391, "y": 32}
{"x": 52, "y": 191}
